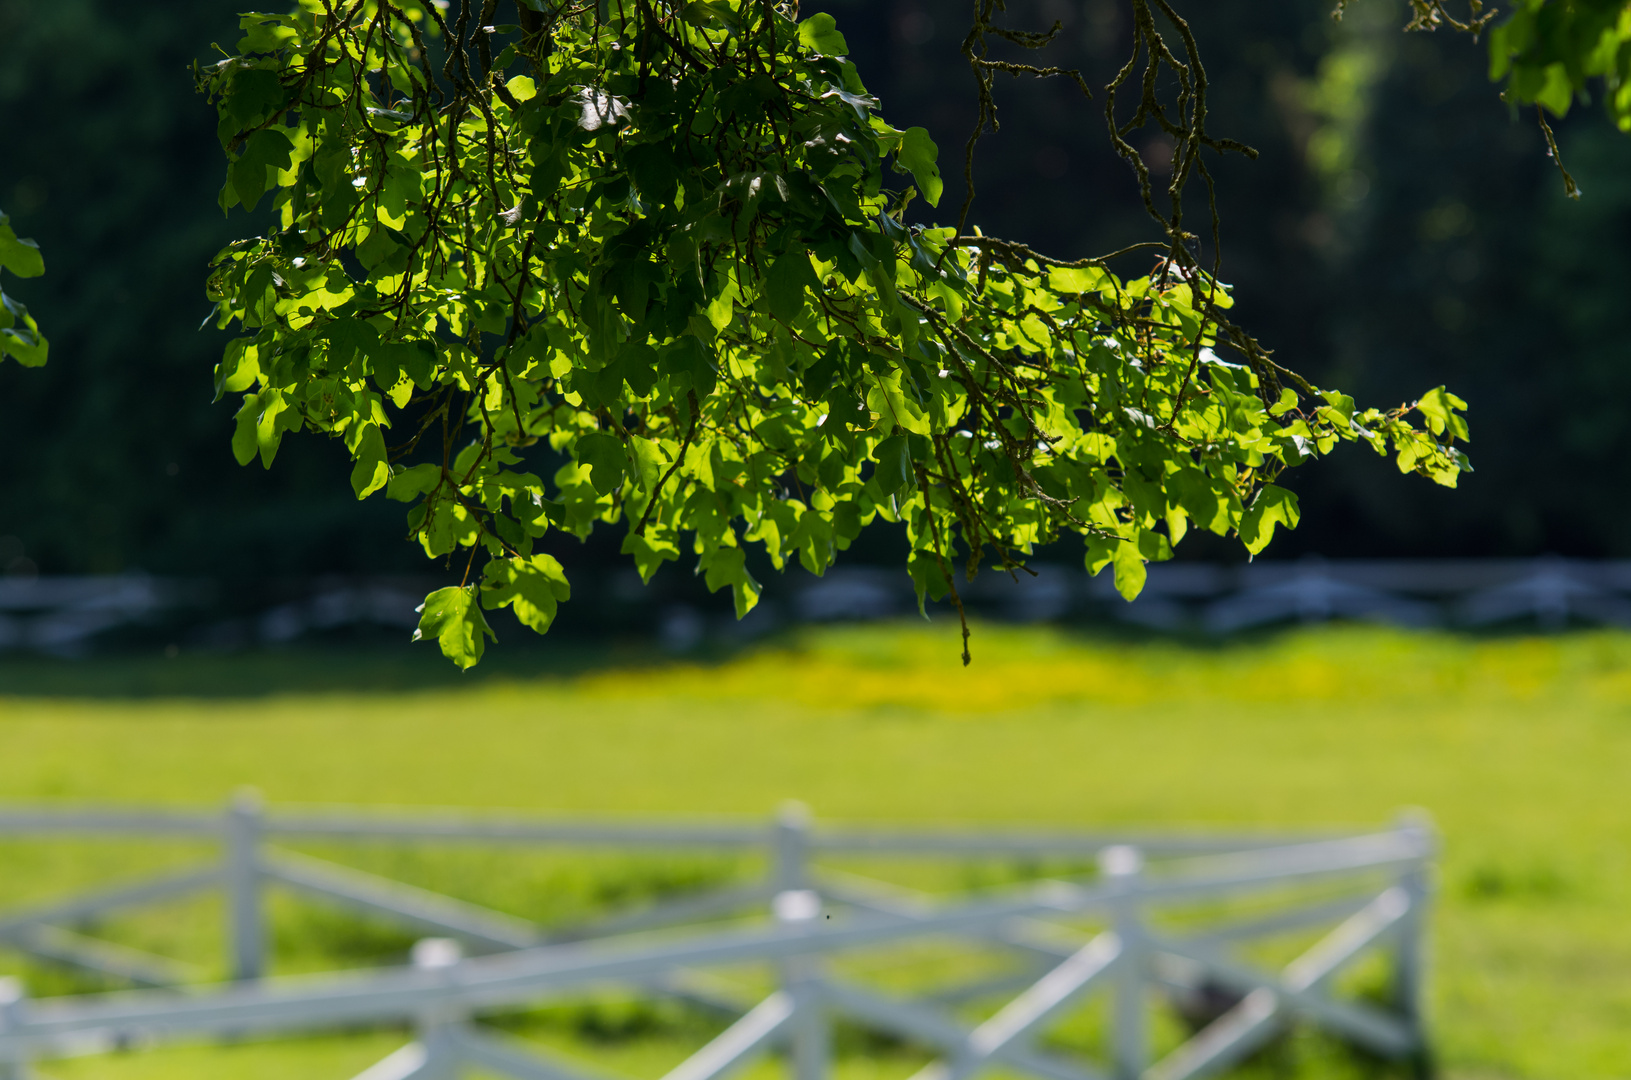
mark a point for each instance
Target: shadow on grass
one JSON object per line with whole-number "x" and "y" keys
{"x": 376, "y": 663}
{"x": 338, "y": 667}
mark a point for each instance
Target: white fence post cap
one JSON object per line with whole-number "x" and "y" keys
{"x": 793, "y": 814}
{"x": 796, "y": 905}
{"x": 248, "y": 800}
{"x": 1121, "y": 860}
{"x": 435, "y": 953}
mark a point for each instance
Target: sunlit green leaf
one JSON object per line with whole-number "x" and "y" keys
{"x": 454, "y": 618}
{"x": 20, "y": 257}
{"x": 918, "y": 153}
{"x": 820, "y": 32}
{"x": 1273, "y": 506}
{"x": 531, "y": 587}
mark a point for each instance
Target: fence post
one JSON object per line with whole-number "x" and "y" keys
{"x": 437, "y": 1026}
{"x": 790, "y": 855}
{"x": 1123, "y": 867}
{"x": 246, "y": 916}
{"x": 796, "y": 902}
{"x": 1410, "y": 956}
{"x": 12, "y": 998}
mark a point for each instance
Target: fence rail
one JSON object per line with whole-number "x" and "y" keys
{"x": 345, "y": 824}
{"x": 817, "y": 916}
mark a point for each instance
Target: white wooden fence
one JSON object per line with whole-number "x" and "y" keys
{"x": 1109, "y": 933}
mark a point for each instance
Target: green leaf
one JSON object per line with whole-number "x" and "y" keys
{"x": 1273, "y": 506}
{"x": 918, "y": 153}
{"x": 20, "y": 336}
{"x": 277, "y": 416}
{"x": 1439, "y": 407}
{"x": 713, "y": 14}
{"x": 819, "y": 373}
{"x": 263, "y": 150}
{"x": 264, "y": 33}
{"x": 894, "y": 407}
{"x": 243, "y": 435}
{"x": 638, "y": 363}
{"x": 261, "y": 423}
{"x": 239, "y": 367}
{"x": 1128, "y": 561}
{"x": 728, "y": 566}
{"x": 820, "y": 32}
{"x": 447, "y": 524}
{"x": 349, "y": 338}
{"x": 688, "y": 356}
{"x": 789, "y": 275}
{"x": 648, "y": 461}
{"x": 409, "y": 484}
{"x": 1557, "y": 91}
{"x": 21, "y": 257}
{"x": 1340, "y": 403}
{"x": 1075, "y": 279}
{"x": 522, "y": 88}
{"x": 604, "y": 455}
{"x": 454, "y": 618}
{"x": 928, "y": 579}
{"x": 251, "y": 94}
{"x": 651, "y": 166}
{"x": 894, "y": 458}
{"x": 371, "y": 472}
{"x": 28, "y": 349}
{"x": 649, "y": 554}
{"x": 531, "y": 587}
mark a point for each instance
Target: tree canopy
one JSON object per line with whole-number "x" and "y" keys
{"x": 670, "y": 241}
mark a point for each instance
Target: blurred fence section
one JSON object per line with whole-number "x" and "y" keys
{"x": 1548, "y": 592}
{"x": 1208, "y": 598}
{"x": 63, "y": 614}
{"x": 1226, "y": 941}
{"x": 72, "y": 615}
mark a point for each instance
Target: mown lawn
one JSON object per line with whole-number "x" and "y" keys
{"x": 1520, "y": 749}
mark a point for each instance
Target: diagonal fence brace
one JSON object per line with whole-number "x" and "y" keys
{"x": 405, "y": 1064}
{"x": 929, "y": 1026}
{"x": 103, "y": 957}
{"x": 1255, "y": 1019}
{"x": 507, "y": 1057}
{"x": 1024, "y": 1016}
{"x": 1043, "y": 1001}
{"x": 740, "y": 1043}
{"x": 88, "y": 905}
{"x": 404, "y": 903}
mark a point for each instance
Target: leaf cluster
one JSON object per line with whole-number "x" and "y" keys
{"x": 20, "y": 336}
{"x": 648, "y": 265}
{"x": 1549, "y": 52}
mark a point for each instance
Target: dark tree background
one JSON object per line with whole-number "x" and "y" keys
{"x": 1401, "y": 229}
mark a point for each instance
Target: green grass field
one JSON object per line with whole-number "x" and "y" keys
{"x": 1520, "y": 749}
